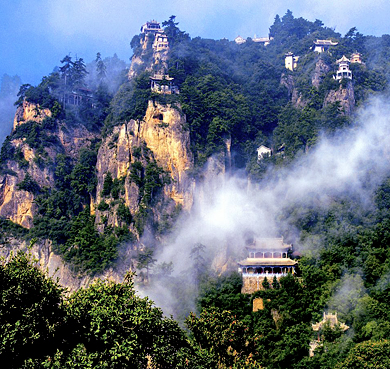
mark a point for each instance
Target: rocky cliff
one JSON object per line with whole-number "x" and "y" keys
{"x": 30, "y": 112}
{"x": 52, "y": 264}
{"x": 344, "y": 95}
{"x": 162, "y": 133}
{"x": 148, "y": 57}
{"x": 29, "y": 157}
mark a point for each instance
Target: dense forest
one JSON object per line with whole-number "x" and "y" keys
{"x": 229, "y": 92}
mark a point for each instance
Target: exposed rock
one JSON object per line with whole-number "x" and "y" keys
{"x": 320, "y": 71}
{"x": 295, "y": 96}
{"x": 18, "y": 205}
{"x": 345, "y": 96}
{"x": 56, "y": 268}
{"x": 149, "y": 58}
{"x": 29, "y": 111}
{"x": 163, "y": 131}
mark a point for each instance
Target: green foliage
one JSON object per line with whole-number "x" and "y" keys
{"x": 9, "y": 229}
{"x": 28, "y": 184}
{"x": 103, "y": 206}
{"x": 130, "y": 102}
{"x": 221, "y": 336}
{"x": 123, "y": 213}
{"x": 107, "y": 184}
{"x": 31, "y": 312}
{"x": 64, "y": 216}
{"x": 103, "y": 326}
{"x": 114, "y": 328}
{"x": 368, "y": 355}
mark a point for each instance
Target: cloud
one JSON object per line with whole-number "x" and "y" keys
{"x": 227, "y": 210}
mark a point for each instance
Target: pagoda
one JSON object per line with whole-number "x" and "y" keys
{"x": 343, "y": 71}
{"x": 267, "y": 258}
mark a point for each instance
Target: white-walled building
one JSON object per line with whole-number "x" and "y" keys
{"x": 291, "y": 61}
{"x": 343, "y": 71}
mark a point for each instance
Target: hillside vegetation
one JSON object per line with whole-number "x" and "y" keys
{"x": 230, "y": 94}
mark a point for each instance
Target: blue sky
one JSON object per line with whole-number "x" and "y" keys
{"x": 36, "y": 34}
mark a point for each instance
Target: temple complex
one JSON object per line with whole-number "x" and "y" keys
{"x": 343, "y": 71}
{"x": 263, "y": 40}
{"x": 151, "y": 27}
{"x": 332, "y": 322}
{"x": 76, "y": 97}
{"x": 163, "y": 84}
{"x": 321, "y": 46}
{"x": 267, "y": 257}
{"x": 291, "y": 61}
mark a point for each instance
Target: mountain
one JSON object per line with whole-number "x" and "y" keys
{"x": 171, "y": 166}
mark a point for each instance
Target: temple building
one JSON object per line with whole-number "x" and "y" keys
{"x": 333, "y": 323}
{"x": 151, "y": 27}
{"x": 77, "y": 97}
{"x": 263, "y": 151}
{"x": 239, "y": 40}
{"x": 163, "y": 84}
{"x": 263, "y": 40}
{"x": 291, "y": 61}
{"x": 321, "y": 46}
{"x": 267, "y": 257}
{"x": 160, "y": 41}
{"x": 356, "y": 58}
{"x": 343, "y": 71}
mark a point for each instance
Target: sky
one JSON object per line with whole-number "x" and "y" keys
{"x": 36, "y": 34}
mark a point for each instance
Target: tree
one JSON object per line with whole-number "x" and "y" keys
{"x": 173, "y": 32}
{"x": 112, "y": 327}
{"x": 66, "y": 70}
{"x": 368, "y": 355}
{"x": 223, "y": 337}
{"x": 78, "y": 73}
{"x": 100, "y": 68}
{"x": 198, "y": 260}
{"x": 31, "y": 311}
{"x": 145, "y": 261}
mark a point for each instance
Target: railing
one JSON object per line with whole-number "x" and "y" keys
{"x": 262, "y": 275}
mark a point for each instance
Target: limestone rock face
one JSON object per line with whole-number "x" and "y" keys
{"x": 18, "y": 205}
{"x": 29, "y": 111}
{"x": 149, "y": 58}
{"x": 163, "y": 132}
{"x": 55, "y": 267}
{"x": 345, "y": 96}
{"x": 294, "y": 94}
{"x": 321, "y": 69}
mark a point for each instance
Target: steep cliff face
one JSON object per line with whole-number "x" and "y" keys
{"x": 55, "y": 267}
{"x": 344, "y": 95}
{"x": 295, "y": 96}
{"x": 30, "y": 112}
{"x": 162, "y": 131}
{"x": 320, "y": 71}
{"x": 148, "y": 57}
{"x": 31, "y": 164}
